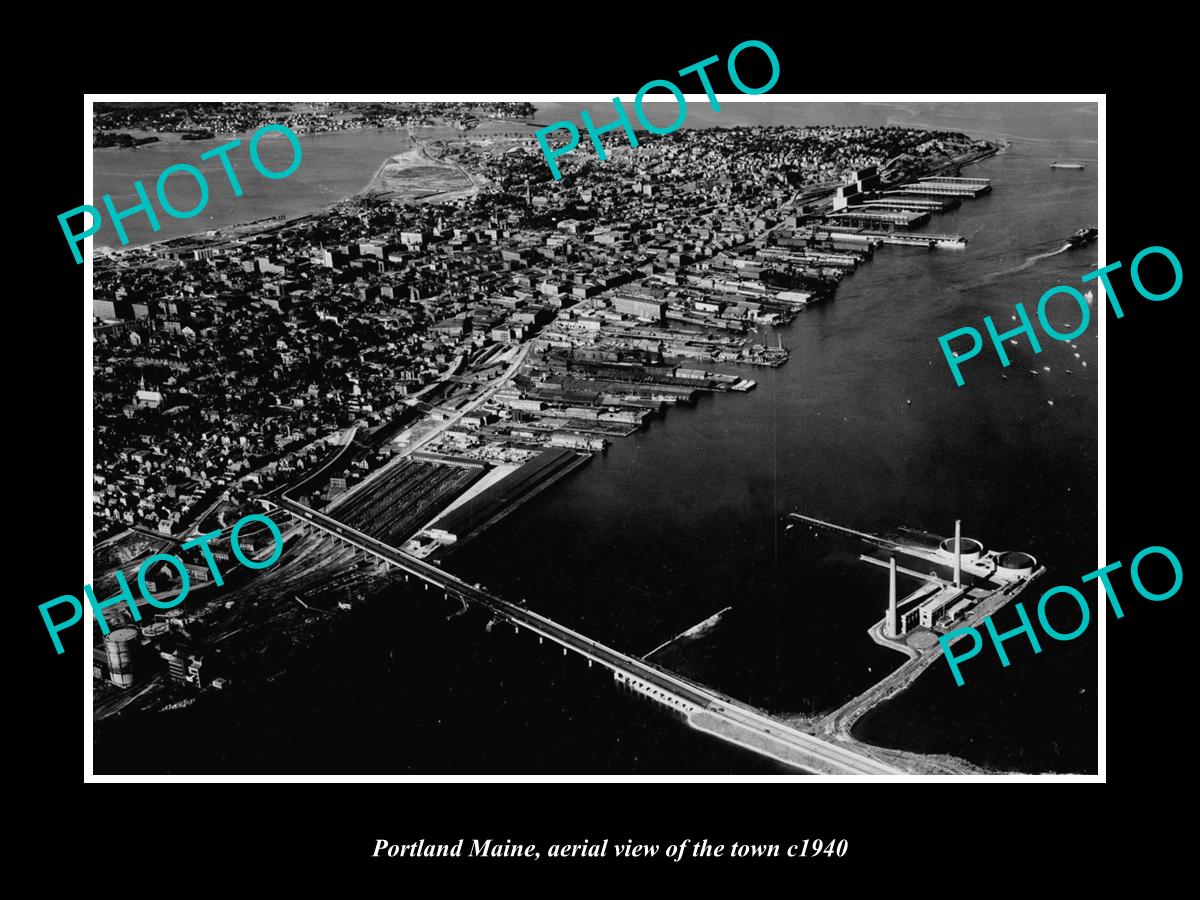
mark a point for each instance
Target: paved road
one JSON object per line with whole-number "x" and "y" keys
{"x": 333, "y": 460}
{"x": 493, "y": 386}
{"x": 836, "y": 758}
{"x": 408, "y": 450}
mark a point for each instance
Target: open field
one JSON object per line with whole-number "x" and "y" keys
{"x": 416, "y": 174}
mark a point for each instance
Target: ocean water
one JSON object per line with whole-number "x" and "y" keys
{"x": 333, "y": 166}
{"x": 685, "y": 518}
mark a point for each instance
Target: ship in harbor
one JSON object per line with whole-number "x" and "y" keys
{"x": 1083, "y": 235}
{"x": 1065, "y": 165}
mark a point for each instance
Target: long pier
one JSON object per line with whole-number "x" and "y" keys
{"x": 706, "y": 710}
{"x": 869, "y": 237}
{"x": 919, "y": 239}
{"x": 870, "y": 538}
{"x": 948, "y": 186}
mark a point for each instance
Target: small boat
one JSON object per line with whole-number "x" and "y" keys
{"x": 1046, "y": 368}
{"x": 910, "y": 403}
{"x": 1033, "y": 371}
{"x": 1051, "y": 402}
{"x": 1083, "y": 235}
{"x": 1013, "y": 342}
{"x": 1005, "y": 377}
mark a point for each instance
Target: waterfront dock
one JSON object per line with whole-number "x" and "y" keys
{"x": 873, "y": 237}
{"x": 981, "y": 582}
{"x": 949, "y": 186}
{"x": 924, "y": 239}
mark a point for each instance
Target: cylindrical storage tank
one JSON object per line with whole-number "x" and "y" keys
{"x": 971, "y": 548}
{"x": 1015, "y": 563}
{"x": 121, "y": 645}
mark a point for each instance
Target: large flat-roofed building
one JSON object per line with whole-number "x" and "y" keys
{"x": 909, "y": 608}
{"x": 865, "y": 179}
{"x": 935, "y": 605}
{"x": 844, "y": 196}
{"x": 641, "y": 306}
{"x": 928, "y": 605}
{"x": 112, "y": 309}
{"x": 883, "y": 219}
{"x": 945, "y": 185}
{"x": 862, "y": 182}
{"x": 457, "y": 326}
{"x": 917, "y": 202}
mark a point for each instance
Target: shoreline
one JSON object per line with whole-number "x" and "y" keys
{"x": 413, "y": 189}
{"x": 839, "y": 724}
{"x": 264, "y": 224}
{"x": 281, "y": 220}
{"x": 255, "y": 227}
{"x": 176, "y": 137}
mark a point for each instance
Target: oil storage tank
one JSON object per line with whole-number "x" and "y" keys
{"x": 121, "y": 646}
{"x": 1015, "y": 564}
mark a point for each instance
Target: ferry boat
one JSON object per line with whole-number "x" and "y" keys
{"x": 1083, "y": 235}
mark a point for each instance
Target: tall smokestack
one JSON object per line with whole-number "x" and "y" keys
{"x": 892, "y": 630}
{"x": 958, "y": 552}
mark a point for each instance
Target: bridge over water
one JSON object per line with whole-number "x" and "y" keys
{"x": 728, "y": 719}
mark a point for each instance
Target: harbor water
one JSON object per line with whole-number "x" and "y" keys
{"x": 864, "y": 427}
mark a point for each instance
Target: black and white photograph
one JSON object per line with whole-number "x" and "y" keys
{"x": 688, "y": 434}
{"x": 527, "y": 456}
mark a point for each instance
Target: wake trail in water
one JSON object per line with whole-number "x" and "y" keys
{"x": 693, "y": 632}
{"x": 1031, "y": 261}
